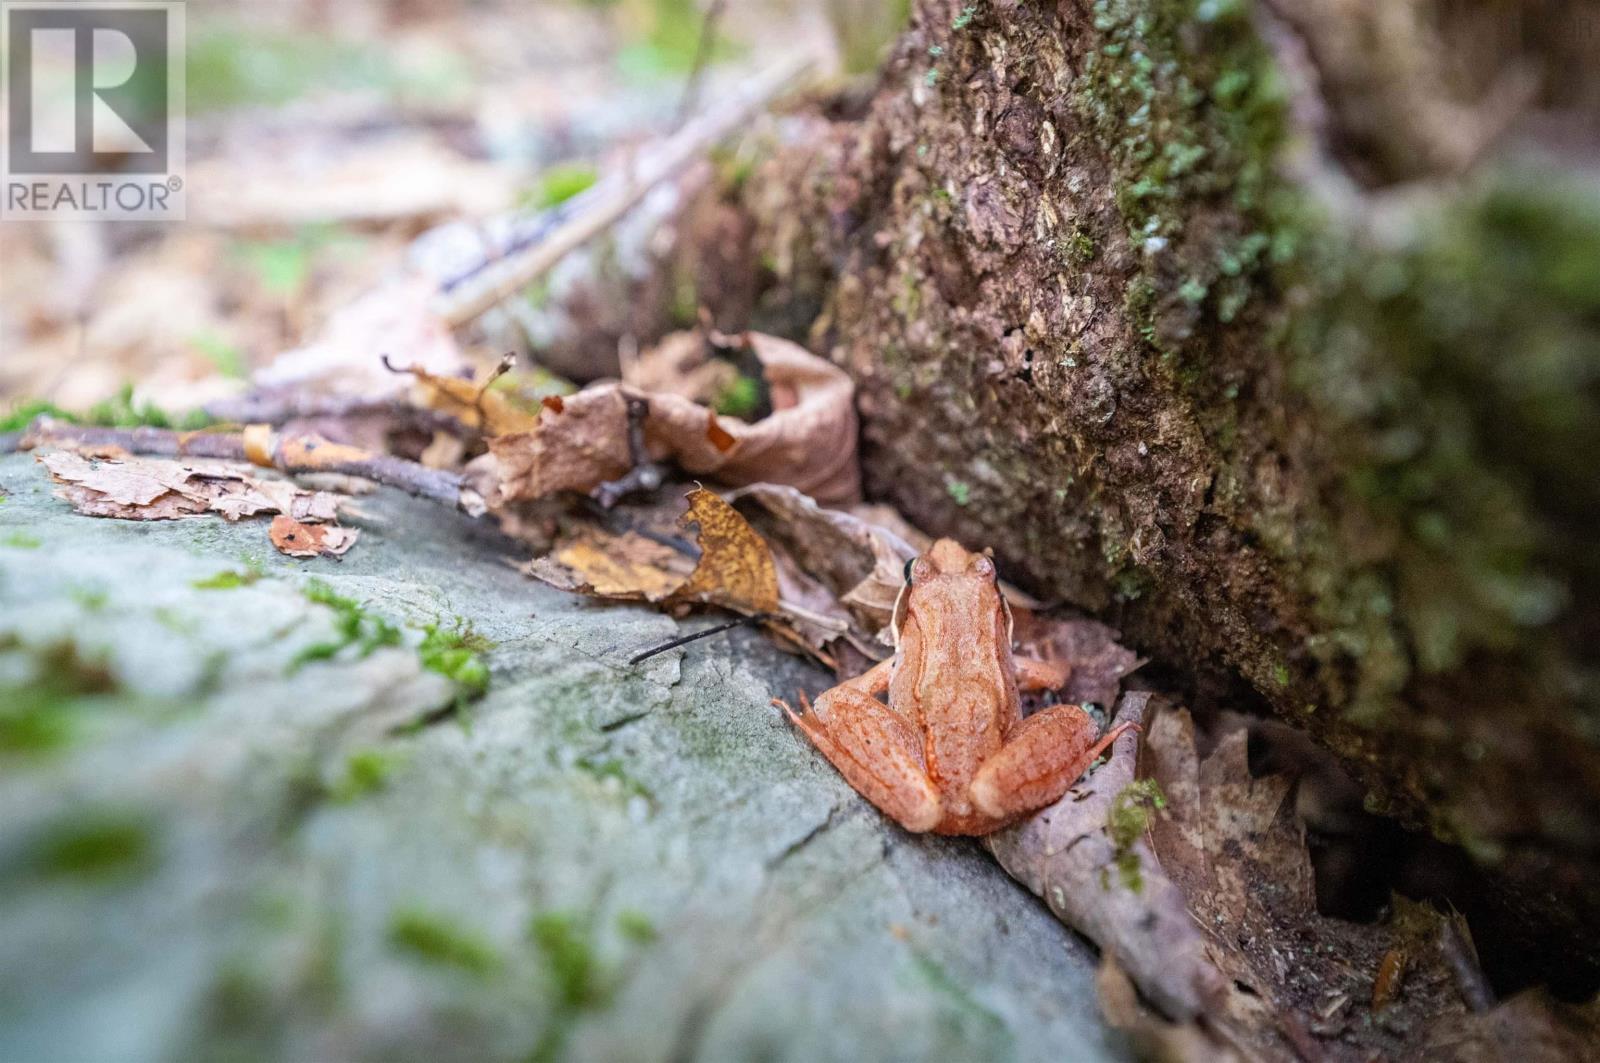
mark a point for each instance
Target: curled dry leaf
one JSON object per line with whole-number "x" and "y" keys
{"x": 861, "y": 565}
{"x": 735, "y": 569}
{"x": 1068, "y": 856}
{"x": 808, "y": 442}
{"x": 1294, "y": 982}
{"x": 137, "y": 488}
{"x": 310, "y": 540}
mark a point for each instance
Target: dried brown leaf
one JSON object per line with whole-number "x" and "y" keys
{"x": 471, "y": 402}
{"x": 585, "y": 444}
{"x": 1067, "y": 856}
{"x": 1294, "y": 981}
{"x": 809, "y": 440}
{"x": 310, "y": 540}
{"x": 861, "y": 565}
{"x": 140, "y": 488}
{"x": 1530, "y": 1027}
{"x": 629, "y": 566}
{"x": 735, "y": 569}
{"x": 1099, "y": 662}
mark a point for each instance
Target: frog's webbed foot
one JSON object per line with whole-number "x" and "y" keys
{"x": 876, "y": 751}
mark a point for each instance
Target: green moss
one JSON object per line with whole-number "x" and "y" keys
{"x": 959, "y": 491}
{"x": 41, "y": 714}
{"x": 91, "y": 597}
{"x": 119, "y": 411}
{"x": 437, "y": 940}
{"x": 741, "y": 398}
{"x": 964, "y": 19}
{"x": 613, "y": 770}
{"x": 559, "y": 183}
{"x": 1129, "y": 817}
{"x": 355, "y": 625}
{"x": 228, "y": 359}
{"x": 566, "y": 944}
{"x": 21, "y": 540}
{"x": 365, "y": 773}
{"x": 456, "y": 653}
{"x": 671, "y": 40}
{"x": 19, "y": 417}
{"x": 232, "y": 578}
{"x": 636, "y": 926}
{"x": 1457, "y": 372}
{"x": 1185, "y": 99}
{"x": 94, "y": 846}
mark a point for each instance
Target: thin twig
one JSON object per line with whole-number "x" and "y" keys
{"x": 702, "y": 58}
{"x": 300, "y": 453}
{"x": 495, "y": 279}
{"x": 280, "y": 408}
{"x": 675, "y": 643}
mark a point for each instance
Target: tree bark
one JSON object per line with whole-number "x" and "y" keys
{"x": 1244, "y": 328}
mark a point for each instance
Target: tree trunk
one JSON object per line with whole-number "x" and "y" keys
{"x": 1134, "y": 294}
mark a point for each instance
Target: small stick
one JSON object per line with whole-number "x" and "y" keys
{"x": 291, "y": 454}
{"x": 675, "y": 643}
{"x": 646, "y": 475}
{"x": 702, "y": 57}
{"x": 480, "y": 289}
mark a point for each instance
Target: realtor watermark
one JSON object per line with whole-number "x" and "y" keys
{"x": 94, "y": 108}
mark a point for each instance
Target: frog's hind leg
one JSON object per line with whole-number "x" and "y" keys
{"x": 1040, "y": 761}
{"x": 876, "y": 751}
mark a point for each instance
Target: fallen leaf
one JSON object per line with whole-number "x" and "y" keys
{"x": 735, "y": 569}
{"x": 1294, "y": 983}
{"x": 310, "y": 540}
{"x": 808, "y": 442}
{"x": 862, "y": 565}
{"x": 627, "y": 566}
{"x": 1530, "y": 1027}
{"x": 584, "y": 445}
{"x": 142, "y": 488}
{"x": 1067, "y": 855}
{"x": 473, "y": 403}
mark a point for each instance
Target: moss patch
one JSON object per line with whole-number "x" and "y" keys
{"x": 456, "y": 653}
{"x": 93, "y": 846}
{"x": 1127, "y": 821}
{"x": 356, "y": 626}
{"x": 439, "y": 941}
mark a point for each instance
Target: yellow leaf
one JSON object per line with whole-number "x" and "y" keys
{"x": 735, "y": 569}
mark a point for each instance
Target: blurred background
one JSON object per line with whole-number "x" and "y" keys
{"x": 324, "y": 137}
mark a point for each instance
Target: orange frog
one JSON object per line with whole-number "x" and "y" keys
{"x": 951, "y": 751}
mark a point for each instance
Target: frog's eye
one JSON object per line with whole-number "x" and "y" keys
{"x": 909, "y": 563}
{"x": 983, "y": 566}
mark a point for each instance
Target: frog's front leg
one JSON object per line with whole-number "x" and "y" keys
{"x": 1036, "y": 674}
{"x": 874, "y": 748}
{"x": 1041, "y": 759}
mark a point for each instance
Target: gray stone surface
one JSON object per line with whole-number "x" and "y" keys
{"x": 213, "y": 854}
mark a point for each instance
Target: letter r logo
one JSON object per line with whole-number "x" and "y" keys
{"x": 87, "y": 88}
